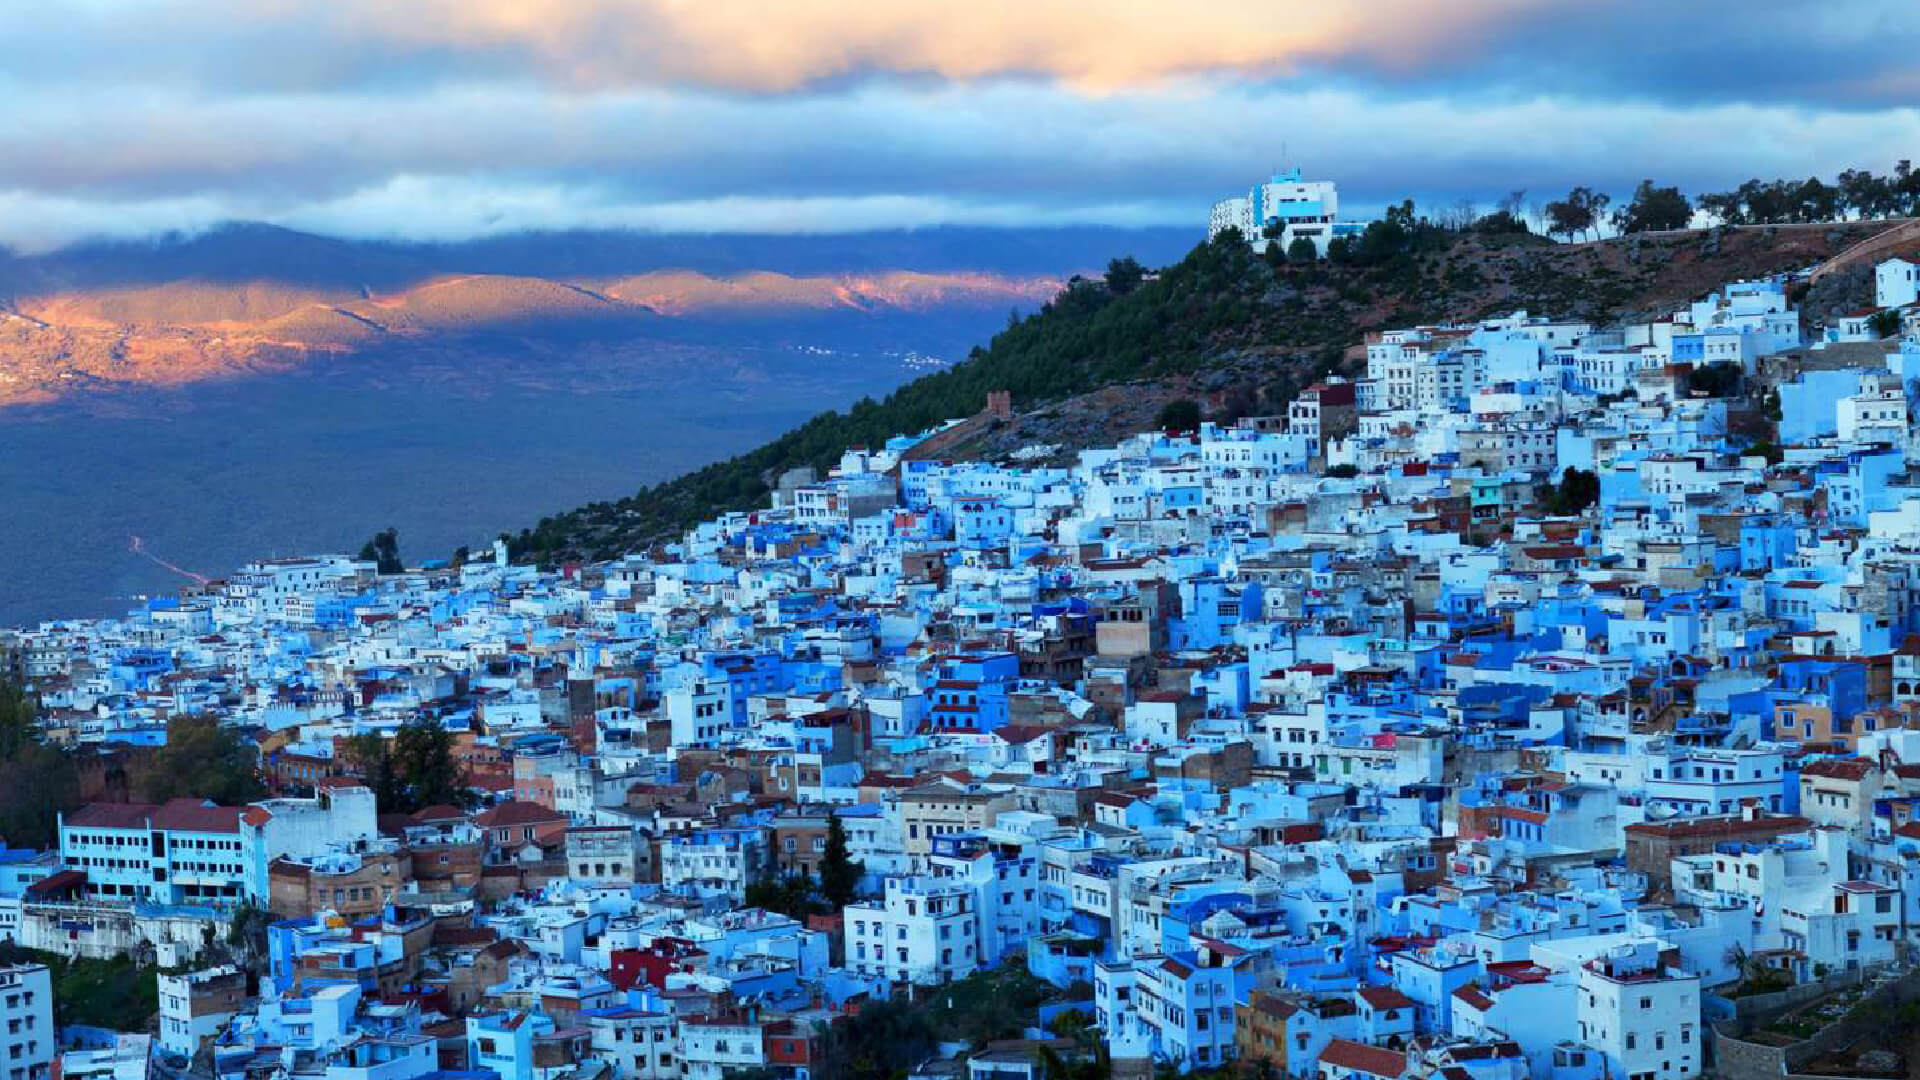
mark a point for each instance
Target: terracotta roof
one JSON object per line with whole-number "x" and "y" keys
{"x": 1472, "y": 996}
{"x": 515, "y": 812}
{"x": 1385, "y": 997}
{"x": 198, "y": 815}
{"x": 1838, "y": 769}
{"x": 1277, "y": 1007}
{"x": 112, "y": 816}
{"x": 1360, "y": 1057}
{"x": 1716, "y": 825}
{"x": 53, "y": 884}
{"x": 1020, "y": 733}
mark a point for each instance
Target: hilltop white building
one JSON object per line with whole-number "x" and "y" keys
{"x": 1297, "y": 207}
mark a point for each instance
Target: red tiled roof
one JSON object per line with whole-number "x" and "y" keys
{"x": 515, "y": 812}
{"x": 1020, "y": 733}
{"x": 1276, "y": 1007}
{"x": 1385, "y": 997}
{"x": 1472, "y": 996}
{"x": 53, "y": 884}
{"x": 1838, "y": 769}
{"x": 1716, "y": 825}
{"x": 198, "y": 815}
{"x": 1360, "y": 1057}
{"x": 112, "y": 816}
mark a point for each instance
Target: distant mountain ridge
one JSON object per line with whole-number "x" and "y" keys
{"x": 248, "y": 298}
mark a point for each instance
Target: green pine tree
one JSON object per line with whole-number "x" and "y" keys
{"x": 839, "y": 874}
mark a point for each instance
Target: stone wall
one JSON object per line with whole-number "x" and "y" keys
{"x": 1737, "y": 1055}
{"x": 1756, "y": 1009}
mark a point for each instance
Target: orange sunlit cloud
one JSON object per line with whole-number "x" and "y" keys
{"x": 763, "y": 47}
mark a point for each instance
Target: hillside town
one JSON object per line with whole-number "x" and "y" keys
{"x": 1541, "y": 704}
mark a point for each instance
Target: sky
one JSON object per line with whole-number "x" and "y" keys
{"x": 447, "y": 119}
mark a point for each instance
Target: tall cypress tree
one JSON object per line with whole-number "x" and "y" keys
{"x": 839, "y": 874}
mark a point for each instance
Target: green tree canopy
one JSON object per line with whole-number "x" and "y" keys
{"x": 1581, "y": 211}
{"x": 203, "y": 760}
{"x": 1858, "y": 193}
{"x": 384, "y": 551}
{"x": 37, "y": 782}
{"x": 1179, "y": 415}
{"x": 839, "y": 874}
{"x": 1653, "y": 209}
{"x": 1578, "y": 489}
{"x": 1721, "y": 379}
{"x": 413, "y": 770}
{"x": 1125, "y": 275}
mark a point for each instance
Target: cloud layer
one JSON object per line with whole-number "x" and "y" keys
{"x": 449, "y": 118}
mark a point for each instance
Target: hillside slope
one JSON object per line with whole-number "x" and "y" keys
{"x": 1092, "y": 365}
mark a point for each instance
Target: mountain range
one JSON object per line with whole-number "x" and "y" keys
{"x": 250, "y": 298}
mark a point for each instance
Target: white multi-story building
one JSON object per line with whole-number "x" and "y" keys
{"x": 1802, "y": 896}
{"x": 1896, "y": 283}
{"x": 1700, "y": 780}
{"x": 185, "y": 852}
{"x": 283, "y": 587}
{"x": 924, "y": 930}
{"x": 194, "y": 1005}
{"x": 640, "y": 1045}
{"x": 605, "y": 853}
{"x": 713, "y": 1047}
{"x": 26, "y": 1016}
{"x": 1289, "y": 206}
{"x": 1877, "y": 414}
{"x": 1007, "y": 885}
{"x": 341, "y": 817}
{"x": 699, "y": 711}
{"x": 1641, "y": 1013}
{"x": 1185, "y": 1007}
{"x": 713, "y": 860}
